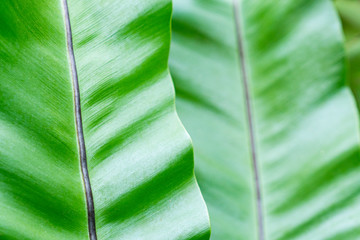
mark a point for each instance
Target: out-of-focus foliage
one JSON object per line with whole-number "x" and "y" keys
{"x": 349, "y": 11}
{"x": 301, "y": 114}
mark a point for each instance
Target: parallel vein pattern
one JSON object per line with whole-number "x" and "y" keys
{"x": 140, "y": 158}
{"x": 139, "y": 155}
{"x": 41, "y": 191}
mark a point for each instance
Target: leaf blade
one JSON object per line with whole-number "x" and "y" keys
{"x": 41, "y": 187}
{"x": 149, "y": 192}
{"x": 291, "y": 93}
{"x": 140, "y": 157}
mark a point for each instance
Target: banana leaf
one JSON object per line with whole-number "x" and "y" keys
{"x": 91, "y": 146}
{"x": 261, "y": 89}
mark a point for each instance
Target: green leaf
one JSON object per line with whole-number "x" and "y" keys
{"x": 349, "y": 13}
{"x": 260, "y": 88}
{"x": 140, "y": 159}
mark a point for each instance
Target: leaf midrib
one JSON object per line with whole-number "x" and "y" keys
{"x": 79, "y": 126}
{"x": 250, "y": 121}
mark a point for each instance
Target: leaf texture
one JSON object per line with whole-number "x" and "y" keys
{"x": 260, "y": 88}
{"x": 140, "y": 159}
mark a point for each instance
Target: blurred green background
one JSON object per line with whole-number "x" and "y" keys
{"x": 349, "y": 11}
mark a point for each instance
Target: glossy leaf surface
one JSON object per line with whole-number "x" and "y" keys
{"x": 140, "y": 158}
{"x": 261, "y": 84}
